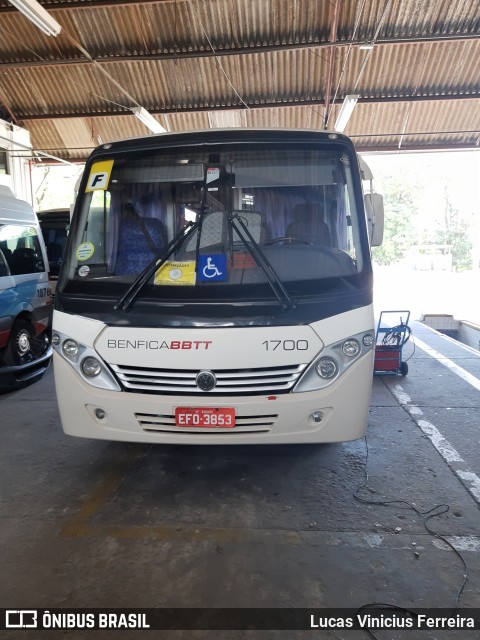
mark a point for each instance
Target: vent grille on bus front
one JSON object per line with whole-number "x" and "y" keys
{"x": 271, "y": 380}
{"x": 243, "y": 424}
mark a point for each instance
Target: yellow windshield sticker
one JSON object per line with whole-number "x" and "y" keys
{"x": 84, "y": 251}
{"x": 176, "y": 273}
{"x": 99, "y": 176}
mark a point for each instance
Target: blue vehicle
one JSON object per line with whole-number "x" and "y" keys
{"x": 25, "y": 295}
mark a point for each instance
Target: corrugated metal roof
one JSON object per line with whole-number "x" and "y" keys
{"x": 248, "y": 63}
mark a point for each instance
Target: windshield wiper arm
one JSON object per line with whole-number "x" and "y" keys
{"x": 262, "y": 261}
{"x": 128, "y": 298}
{"x": 236, "y": 222}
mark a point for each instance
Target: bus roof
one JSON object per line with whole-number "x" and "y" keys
{"x": 14, "y": 210}
{"x": 219, "y": 136}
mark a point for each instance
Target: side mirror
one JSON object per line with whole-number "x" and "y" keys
{"x": 375, "y": 217}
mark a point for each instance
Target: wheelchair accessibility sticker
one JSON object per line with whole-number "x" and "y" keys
{"x": 212, "y": 268}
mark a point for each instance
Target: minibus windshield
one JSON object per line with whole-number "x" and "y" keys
{"x": 232, "y": 222}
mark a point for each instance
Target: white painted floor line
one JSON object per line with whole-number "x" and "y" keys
{"x": 462, "y": 373}
{"x": 472, "y": 479}
{"x": 448, "y": 453}
{"x": 388, "y": 540}
{"x": 451, "y": 456}
{"x": 461, "y": 543}
{"x": 458, "y": 344}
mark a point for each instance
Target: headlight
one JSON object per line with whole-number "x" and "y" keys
{"x": 326, "y": 367}
{"x": 85, "y": 361}
{"x": 70, "y": 347}
{"x": 334, "y": 360}
{"x": 368, "y": 339}
{"x": 351, "y": 348}
{"x": 91, "y": 367}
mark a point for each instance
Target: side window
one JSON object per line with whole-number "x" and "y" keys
{"x": 55, "y": 238}
{"x": 4, "y": 270}
{"x": 350, "y": 246}
{"x": 20, "y": 247}
{"x": 97, "y": 228}
{"x": 3, "y": 162}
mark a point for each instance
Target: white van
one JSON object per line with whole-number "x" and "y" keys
{"x": 25, "y": 295}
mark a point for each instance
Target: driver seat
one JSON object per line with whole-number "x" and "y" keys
{"x": 140, "y": 240}
{"x": 308, "y": 226}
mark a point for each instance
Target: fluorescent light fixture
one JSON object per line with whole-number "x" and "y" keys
{"x": 37, "y": 14}
{"x": 345, "y": 112}
{"x": 366, "y": 46}
{"x": 148, "y": 120}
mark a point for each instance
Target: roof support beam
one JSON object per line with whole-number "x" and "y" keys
{"x": 208, "y": 53}
{"x": 253, "y": 105}
{"x": 91, "y": 4}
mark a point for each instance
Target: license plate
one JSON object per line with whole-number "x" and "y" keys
{"x": 209, "y": 417}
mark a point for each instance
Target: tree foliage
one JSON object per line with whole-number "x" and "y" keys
{"x": 440, "y": 224}
{"x": 454, "y": 230}
{"x": 42, "y": 189}
{"x": 400, "y": 212}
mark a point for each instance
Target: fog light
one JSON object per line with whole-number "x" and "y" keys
{"x": 367, "y": 340}
{"x": 326, "y": 367}
{"x": 317, "y": 416}
{"x": 91, "y": 367}
{"x": 351, "y": 348}
{"x": 70, "y": 347}
{"x": 55, "y": 338}
{"x": 100, "y": 414}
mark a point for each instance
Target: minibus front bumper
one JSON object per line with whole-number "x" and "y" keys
{"x": 336, "y": 413}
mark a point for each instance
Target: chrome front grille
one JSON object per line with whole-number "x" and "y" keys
{"x": 270, "y": 380}
{"x": 243, "y": 424}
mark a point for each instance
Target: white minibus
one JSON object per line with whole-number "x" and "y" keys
{"x": 217, "y": 288}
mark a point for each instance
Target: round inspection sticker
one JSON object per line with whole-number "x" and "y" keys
{"x": 84, "y": 251}
{"x": 84, "y": 271}
{"x": 175, "y": 274}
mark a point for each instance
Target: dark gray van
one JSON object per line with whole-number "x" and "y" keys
{"x": 54, "y": 224}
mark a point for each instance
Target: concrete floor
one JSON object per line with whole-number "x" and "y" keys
{"x": 98, "y": 524}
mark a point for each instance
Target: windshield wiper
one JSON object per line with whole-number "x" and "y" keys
{"x": 129, "y": 297}
{"x": 262, "y": 261}
{"x": 236, "y": 222}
